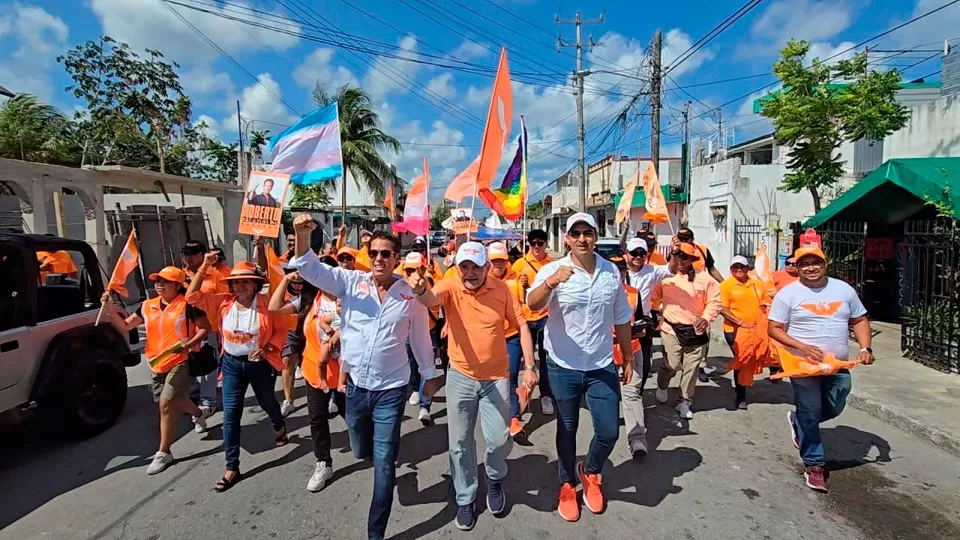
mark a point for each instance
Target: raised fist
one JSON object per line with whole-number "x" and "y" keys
{"x": 562, "y": 275}
{"x": 304, "y": 224}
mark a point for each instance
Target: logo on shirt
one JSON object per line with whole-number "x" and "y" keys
{"x": 824, "y": 309}
{"x": 405, "y": 297}
{"x": 363, "y": 289}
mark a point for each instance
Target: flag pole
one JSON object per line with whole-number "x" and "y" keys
{"x": 523, "y": 176}
{"x": 343, "y": 176}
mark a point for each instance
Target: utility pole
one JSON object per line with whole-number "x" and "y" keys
{"x": 578, "y": 77}
{"x": 655, "y": 100}
{"x": 241, "y": 163}
{"x": 685, "y": 153}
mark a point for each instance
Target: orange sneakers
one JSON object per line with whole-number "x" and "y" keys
{"x": 568, "y": 507}
{"x": 592, "y": 496}
{"x": 516, "y": 428}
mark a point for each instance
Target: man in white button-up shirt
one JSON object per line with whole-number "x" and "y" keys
{"x": 379, "y": 313}
{"x": 586, "y": 300}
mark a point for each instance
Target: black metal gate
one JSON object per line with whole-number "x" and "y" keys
{"x": 747, "y": 235}
{"x": 930, "y": 293}
{"x": 843, "y": 243}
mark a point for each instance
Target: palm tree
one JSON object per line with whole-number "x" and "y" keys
{"x": 31, "y": 130}
{"x": 361, "y": 138}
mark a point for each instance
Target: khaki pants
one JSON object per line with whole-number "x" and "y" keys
{"x": 682, "y": 359}
{"x": 632, "y": 399}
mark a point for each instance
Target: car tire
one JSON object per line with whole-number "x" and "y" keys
{"x": 89, "y": 400}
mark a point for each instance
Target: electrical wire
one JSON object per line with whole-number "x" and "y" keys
{"x": 712, "y": 34}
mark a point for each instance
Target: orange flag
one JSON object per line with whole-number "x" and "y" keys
{"x": 626, "y": 202}
{"x": 389, "y": 204}
{"x": 762, "y": 266}
{"x": 275, "y": 271}
{"x": 655, "y": 204}
{"x": 479, "y": 174}
{"x": 129, "y": 259}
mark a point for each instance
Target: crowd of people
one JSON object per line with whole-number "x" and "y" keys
{"x": 370, "y": 330}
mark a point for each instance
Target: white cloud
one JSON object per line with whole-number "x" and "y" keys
{"x": 38, "y": 37}
{"x": 213, "y": 127}
{"x": 442, "y": 86}
{"x": 388, "y": 75}
{"x": 148, "y": 23}
{"x": 930, "y": 30}
{"x": 675, "y": 43}
{"x": 318, "y": 67}
{"x": 206, "y": 81}
{"x": 469, "y": 50}
{"x": 825, "y": 51}
{"x": 811, "y": 20}
{"x": 259, "y": 102}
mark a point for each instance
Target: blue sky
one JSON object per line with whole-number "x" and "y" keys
{"x": 437, "y": 111}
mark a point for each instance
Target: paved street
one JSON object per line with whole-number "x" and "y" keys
{"x": 730, "y": 475}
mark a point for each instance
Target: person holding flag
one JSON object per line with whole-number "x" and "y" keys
{"x": 173, "y": 329}
{"x": 744, "y": 301}
{"x": 500, "y": 268}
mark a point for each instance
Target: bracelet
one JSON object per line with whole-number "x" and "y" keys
{"x": 547, "y": 283}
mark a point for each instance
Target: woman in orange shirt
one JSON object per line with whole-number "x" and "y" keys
{"x": 250, "y": 343}
{"x": 744, "y": 300}
{"x": 173, "y": 329}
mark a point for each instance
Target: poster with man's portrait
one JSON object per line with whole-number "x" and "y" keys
{"x": 263, "y": 203}
{"x": 463, "y": 222}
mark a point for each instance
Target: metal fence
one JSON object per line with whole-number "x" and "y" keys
{"x": 843, "y": 243}
{"x": 930, "y": 293}
{"x": 747, "y": 235}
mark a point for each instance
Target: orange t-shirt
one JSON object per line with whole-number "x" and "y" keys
{"x": 529, "y": 266}
{"x": 476, "y": 326}
{"x": 782, "y": 278}
{"x": 742, "y": 299}
{"x": 683, "y": 300}
{"x": 657, "y": 258}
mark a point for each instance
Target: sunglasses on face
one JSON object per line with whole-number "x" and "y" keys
{"x": 385, "y": 253}
{"x": 537, "y": 243}
{"x": 791, "y": 263}
{"x": 586, "y": 233}
{"x": 684, "y": 257}
{"x": 345, "y": 258}
{"x": 638, "y": 253}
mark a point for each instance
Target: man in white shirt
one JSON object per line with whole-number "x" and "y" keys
{"x": 642, "y": 277}
{"x": 812, "y": 317}
{"x": 585, "y": 297}
{"x": 379, "y": 314}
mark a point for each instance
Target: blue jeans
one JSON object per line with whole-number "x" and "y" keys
{"x": 537, "y": 333}
{"x": 238, "y": 373}
{"x": 818, "y": 399}
{"x": 602, "y": 390}
{"x": 416, "y": 381}
{"x": 373, "y": 423}
{"x": 516, "y": 358}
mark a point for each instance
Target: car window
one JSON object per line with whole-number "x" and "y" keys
{"x": 12, "y": 289}
{"x": 608, "y": 251}
{"x": 63, "y": 285}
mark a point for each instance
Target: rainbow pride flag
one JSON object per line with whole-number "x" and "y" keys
{"x": 510, "y": 199}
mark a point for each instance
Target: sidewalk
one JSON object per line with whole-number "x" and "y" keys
{"x": 919, "y": 400}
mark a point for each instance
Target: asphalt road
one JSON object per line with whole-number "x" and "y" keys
{"x": 728, "y": 474}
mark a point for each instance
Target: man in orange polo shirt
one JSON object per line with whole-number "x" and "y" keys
{"x": 526, "y": 269}
{"x": 479, "y": 309}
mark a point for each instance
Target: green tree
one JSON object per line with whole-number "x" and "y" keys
{"x": 813, "y": 117}
{"x": 34, "y": 131}
{"x": 258, "y": 139}
{"x": 440, "y": 213}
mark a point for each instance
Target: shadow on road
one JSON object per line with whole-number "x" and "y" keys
{"x": 847, "y": 447}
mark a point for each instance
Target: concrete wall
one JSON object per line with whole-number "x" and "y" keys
{"x": 932, "y": 131}
{"x": 744, "y": 192}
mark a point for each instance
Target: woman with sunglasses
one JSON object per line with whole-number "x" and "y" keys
{"x": 251, "y": 345}
{"x": 691, "y": 301}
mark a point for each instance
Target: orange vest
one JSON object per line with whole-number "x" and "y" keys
{"x": 313, "y": 350}
{"x": 165, "y": 328}
{"x": 270, "y": 333}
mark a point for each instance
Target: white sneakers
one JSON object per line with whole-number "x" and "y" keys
{"x": 298, "y": 374}
{"x": 160, "y": 462}
{"x": 684, "y": 409}
{"x": 332, "y": 407}
{"x": 414, "y": 398}
{"x": 200, "y": 423}
{"x": 321, "y": 475}
{"x": 662, "y": 395}
{"x": 546, "y": 406}
{"x": 286, "y": 408}
{"x": 424, "y": 417}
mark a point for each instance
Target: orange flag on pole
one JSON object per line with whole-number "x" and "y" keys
{"x": 275, "y": 271}
{"x": 129, "y": 259}
{"x": 656, "y": 205}
{"x": 479, "y": 174}
{"x": 626, "y": 201}
{"x": 389, "y": 204}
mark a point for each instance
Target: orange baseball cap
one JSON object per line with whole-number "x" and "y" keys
{"x": 809, "y": 251}
{"x": 170, "y": 273}
{"x": 497, "y": 250}
{"x": 347, "y": 250}
{"x": 690, "y": 250}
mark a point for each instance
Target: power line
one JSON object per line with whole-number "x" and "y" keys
{"x": 712, "y": 34}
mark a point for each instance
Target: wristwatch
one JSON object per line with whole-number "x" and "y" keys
{"x": 534, "y": 368}
{"x": 867, "y": 349}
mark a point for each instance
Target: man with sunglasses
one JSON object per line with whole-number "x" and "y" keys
{"x": 378, "y": 316}
{"x": 787, "y": 275}
{"x": 585, "y": 295}
{"x": 642, "y": 277}
{"x": 526, "y": 269}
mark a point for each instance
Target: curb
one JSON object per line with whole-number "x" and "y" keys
{"x": 880, "y": 411}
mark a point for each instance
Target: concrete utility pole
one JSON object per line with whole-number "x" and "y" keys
{"x": 655, "y": 100}
{"x": 578, "y": 77}
{"x": 685, "y": 170}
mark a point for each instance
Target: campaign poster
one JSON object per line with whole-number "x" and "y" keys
{"x": 463, "y": 222}
{"x": 262, "y": 209}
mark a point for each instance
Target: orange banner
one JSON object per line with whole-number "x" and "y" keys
{"x": 626, "y": 201}
{"x": 656, "y": 205}
{"x": 129, "y": 259}
{"x": 389, "y": 204}
{"x": 262, "y": 208}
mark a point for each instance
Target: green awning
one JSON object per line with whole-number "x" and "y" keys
{"x": 895, "y": 191}
{"x": 640, "y": 198}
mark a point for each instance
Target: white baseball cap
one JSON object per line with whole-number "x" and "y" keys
{"x": 473, "y": 252}
{"x": 413, "y": 260}
{"x": 497, "y": 250}
{"x": 637, "y": 243}
{"x": 739, "y": 259}
{"x": 581, "y": 216}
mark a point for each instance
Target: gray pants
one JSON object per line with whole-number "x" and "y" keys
{"x": 468, "y": 399}
{"x": 633, "y": 405}
{"x": 205, "y": 388}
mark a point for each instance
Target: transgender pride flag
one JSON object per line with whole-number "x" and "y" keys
{"x": 309, "y": 151}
